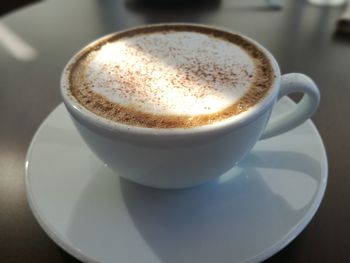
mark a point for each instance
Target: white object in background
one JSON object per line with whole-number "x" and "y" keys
{"x": 327, "y": 2}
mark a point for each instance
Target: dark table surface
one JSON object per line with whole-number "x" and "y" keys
{"x": 300, "y": 35}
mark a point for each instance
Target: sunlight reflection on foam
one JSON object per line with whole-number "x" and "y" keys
{"x": 122, "y": 61}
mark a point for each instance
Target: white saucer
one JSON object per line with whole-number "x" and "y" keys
{"x": 246, "y": 215}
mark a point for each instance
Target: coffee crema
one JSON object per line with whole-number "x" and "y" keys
{"x": 170, "y": 76}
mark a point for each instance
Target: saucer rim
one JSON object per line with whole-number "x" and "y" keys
{"x": 267, "y": 253}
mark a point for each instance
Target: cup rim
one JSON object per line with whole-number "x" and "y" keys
{"x": 92, "y": 119}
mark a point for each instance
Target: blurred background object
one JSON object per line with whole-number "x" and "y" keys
{"x": 8, "y": 6}
{"x": 343, "y": 25}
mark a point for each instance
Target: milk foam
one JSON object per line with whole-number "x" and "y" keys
{"x": 180, "y": 73}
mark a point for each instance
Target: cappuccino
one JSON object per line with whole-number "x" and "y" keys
{"x": 170, "y": 76}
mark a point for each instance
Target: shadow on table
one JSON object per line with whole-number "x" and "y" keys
{"x": 67, "y": 258}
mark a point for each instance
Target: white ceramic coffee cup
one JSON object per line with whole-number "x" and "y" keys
{"x": 184, "y": 157}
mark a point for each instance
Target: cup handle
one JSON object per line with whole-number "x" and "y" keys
{"x": 294, "y": 82}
